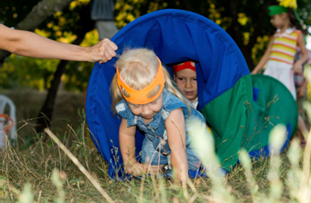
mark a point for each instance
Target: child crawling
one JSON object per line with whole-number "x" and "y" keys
{"x": 144, "y": 97}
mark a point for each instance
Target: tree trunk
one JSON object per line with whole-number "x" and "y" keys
{"x": 48, "y": 107}
{"x": 39, "y": 13}
{"x": 86, "y": 25}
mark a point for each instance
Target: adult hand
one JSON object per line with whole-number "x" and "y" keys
{"x": 103, "y": 51}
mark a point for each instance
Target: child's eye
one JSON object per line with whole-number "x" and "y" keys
{"x": 180, "y": 78}
{"x": 135, "y": 105}
{"x": 154, "y": 101}
{"x": 194, "y": 79}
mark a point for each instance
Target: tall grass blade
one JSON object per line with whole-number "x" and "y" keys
{"x": 79, "y": 165}
{"x": 203, "y": 144}
{"x": 277, "y": 140}
{"x": 246, "y": 162}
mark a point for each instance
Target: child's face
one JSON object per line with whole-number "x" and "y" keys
{"x": 147, "y": 111}
{"x": 278, "y": 20}
{"x": 187, "y": 82}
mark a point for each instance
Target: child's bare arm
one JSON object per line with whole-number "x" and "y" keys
{"x": 176, "y": 133}
{"x": 301, "y": 91}
{"x": 127, "y": 146}
{"x": 264, "y": 58}
{"x": 299, "y": 63}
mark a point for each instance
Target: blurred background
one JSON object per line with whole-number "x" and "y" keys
{"x": 50, "y": 92}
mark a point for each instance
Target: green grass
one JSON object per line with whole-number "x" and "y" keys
{"x": 34, "y": 166}
{"x": 26, "y": 172}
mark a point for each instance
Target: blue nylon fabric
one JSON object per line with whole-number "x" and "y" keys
{"x": 175, "y": 36}
{"x": 255, "y": 93}
{"x": 265, "y": 151}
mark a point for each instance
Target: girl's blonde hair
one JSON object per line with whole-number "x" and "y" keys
{"x": 138, "y": 68}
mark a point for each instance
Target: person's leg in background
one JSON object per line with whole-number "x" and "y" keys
{"x": 106, "y": 29}
{"x": 301, "y": 97}
{"x": 102, "y": 13}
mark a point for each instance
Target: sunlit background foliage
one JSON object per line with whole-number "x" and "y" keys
{"x": 62, "y": 26}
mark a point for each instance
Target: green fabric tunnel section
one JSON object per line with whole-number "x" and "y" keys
{"x": 273, "y": 104}
{"x": 227, "y": 115}
{"x": 245, "y": 115}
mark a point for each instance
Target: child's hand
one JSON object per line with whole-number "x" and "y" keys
{"x": 139, "y": 169}
{"x": 301, "y": 91}
{"x": 154, "y": 169}
{"x": 135, "y": 169}
{"x": 297, "y": 67}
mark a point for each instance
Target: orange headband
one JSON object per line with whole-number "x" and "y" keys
{"x": 140, "y": 96}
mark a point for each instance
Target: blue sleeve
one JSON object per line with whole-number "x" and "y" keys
{"x": 172, "y": 102}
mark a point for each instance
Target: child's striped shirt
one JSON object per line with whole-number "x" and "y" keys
{"x": 284, "y": 46}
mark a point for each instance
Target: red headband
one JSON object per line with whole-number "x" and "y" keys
{"x": 183, "y": 66}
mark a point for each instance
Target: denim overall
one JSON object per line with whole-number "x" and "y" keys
{"x": 155, "y": 148}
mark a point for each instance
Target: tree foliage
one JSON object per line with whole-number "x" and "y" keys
{"x": 62, "y": 26}
{"x": 245, "y": 21}
{"x": 13, "y": 12}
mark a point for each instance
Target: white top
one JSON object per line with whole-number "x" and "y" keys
{"x": 195, "y": 103}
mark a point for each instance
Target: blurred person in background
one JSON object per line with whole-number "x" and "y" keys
{"x": 102, "y": 13}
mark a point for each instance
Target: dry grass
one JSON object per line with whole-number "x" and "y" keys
{"x": 28, "y": 103}
{"x": 42, "y": 172}
{"x": 34, "y": 167}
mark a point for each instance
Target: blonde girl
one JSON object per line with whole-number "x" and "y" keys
{"x": 144, "y": 97}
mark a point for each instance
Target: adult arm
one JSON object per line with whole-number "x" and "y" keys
{"x": 176, "y": 134}
{"x": 29, "y": 44}
{"x": 264, "y": 58}
{"x": 299, "y": 63}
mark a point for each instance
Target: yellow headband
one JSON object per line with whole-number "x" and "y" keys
{"x": 140, "y": 96}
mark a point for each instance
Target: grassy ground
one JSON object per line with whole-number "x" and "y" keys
{"x": 34, "y": 165}
{"x": 27, "y": 174}
{"x": 28, "y": 103}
